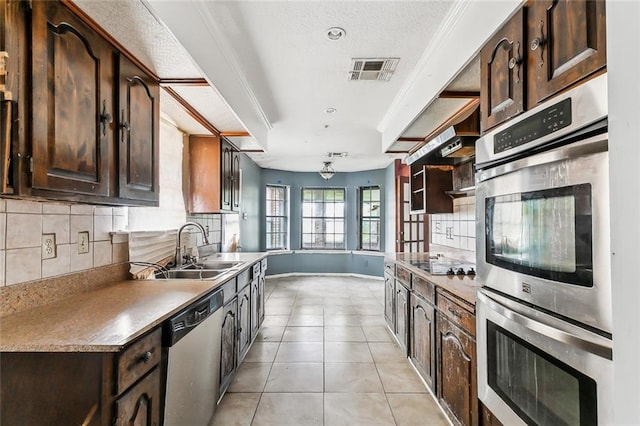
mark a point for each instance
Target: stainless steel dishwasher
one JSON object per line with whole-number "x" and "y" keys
{"x": 193, "y": 337}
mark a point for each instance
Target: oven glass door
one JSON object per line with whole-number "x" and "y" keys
{"x": 539, "y": 388}
{"x": 545, "y": 233}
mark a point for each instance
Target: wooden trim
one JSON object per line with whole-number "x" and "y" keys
{"x": 451, "y": 94}
{"x": 454, "y": 119}
{"x": 195, "y": 81}
{"x": 108, "y": 37}
{"x": 192, "y": 111}
{"x": 401, "y": 139}
{"x": 234, "y": 134}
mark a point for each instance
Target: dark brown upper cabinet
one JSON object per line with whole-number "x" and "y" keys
{"x": 138, "y": 133}
{"x": 502, "y": 74}
{"x": 73, "y": 103}
{"x": 566, "y": 43}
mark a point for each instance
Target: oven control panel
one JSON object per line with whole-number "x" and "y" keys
{"x": 541, "y": 124}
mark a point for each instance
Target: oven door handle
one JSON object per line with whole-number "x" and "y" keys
{"x": 587, "y": 343}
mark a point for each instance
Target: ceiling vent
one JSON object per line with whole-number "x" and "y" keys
{"x": 337, "y": 154}
{"x": 380, "y": 69}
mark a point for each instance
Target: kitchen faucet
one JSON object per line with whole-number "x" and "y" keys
{"x": 179, "y": 258}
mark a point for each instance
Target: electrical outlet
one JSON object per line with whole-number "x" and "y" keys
{"x": 438, "y": 228}
{"x": 449, "y": 232}
{"x": 48, "y": 246}
{"x": 83, "y": 242}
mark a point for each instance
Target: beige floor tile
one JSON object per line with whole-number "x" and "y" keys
{"x": 303, "y": 334}
{"x": 340, "y": 310}
{"x": 270, "y": 334}
{"x": 296, "y": 377}
{"x": 337, "y": 301}
{"x": 278, "y": 310}
{"x": 262, "y": 352}
{"x": 289, "y": 409}
{"x": 356, "y": 409}
{"x": 236, "y": 409}
{"x": 343, "y": 334}
{"x": 400, "y": 377}
{"x": 352, "y": 377}
{"x": 347, "y": 352}
{"x": 377, "y": 333}
{"x": 416, "y": 410}
{"x": 280, "y": 301}
{"x": 307, "y": 310}
{"x": 386, "y": 352}
{"x": 275, "y": 320}
{"x": 250, "y": 377}
{"x": 372, "y": 319}
{"x": 340, "y": 319}
{"x": 300, "y": 352}
{"x": 369, "y": 310}
{"x": 306, "y": 321}
{"x": 309, "y": 301}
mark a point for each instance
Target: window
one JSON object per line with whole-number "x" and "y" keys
{"x": 323, "y": 218}
{"x": 277, "y": 216}
{"x": 370, "y": 218}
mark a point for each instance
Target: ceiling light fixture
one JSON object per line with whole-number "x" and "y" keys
{"x": 329, "y": 110}
{"x": 335, "y": 33}
{"x": 327, "y": 171}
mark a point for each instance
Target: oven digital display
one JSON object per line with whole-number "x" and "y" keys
{"x": 541, "y": 124}
{"x": 545, "y": 233}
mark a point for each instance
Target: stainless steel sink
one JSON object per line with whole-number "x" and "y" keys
{"x": 219, "y": 264}
{"x": 189, "y": 274}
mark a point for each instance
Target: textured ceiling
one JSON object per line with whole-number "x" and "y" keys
{"x": 211, "y": 105}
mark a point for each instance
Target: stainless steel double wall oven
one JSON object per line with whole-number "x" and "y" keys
{"x": 544, "y": 314}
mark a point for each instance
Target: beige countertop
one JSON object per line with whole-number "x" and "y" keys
{"x": 463, "y": 287}
{"x": 108, "y": 318}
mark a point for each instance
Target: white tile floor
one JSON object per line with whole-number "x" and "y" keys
{"x": 325, "y": 357}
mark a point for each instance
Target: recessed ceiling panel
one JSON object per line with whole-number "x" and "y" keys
{"x": 436, "y": 113}
{"x": 177, "y": 114}
{"x": 211, "y": 106}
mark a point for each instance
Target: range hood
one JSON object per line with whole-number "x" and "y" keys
{"x": 454, "y": 145}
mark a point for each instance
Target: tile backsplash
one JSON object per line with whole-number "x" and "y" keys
{"x": 457, "y": 229}
{"x": 212, "y": 224}
{"x": 46, "y": 239}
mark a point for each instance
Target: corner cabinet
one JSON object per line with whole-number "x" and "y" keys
{"x": 428, "y": 185}
{"x": 214, "y": 167}
{"x": 88, "y": 118}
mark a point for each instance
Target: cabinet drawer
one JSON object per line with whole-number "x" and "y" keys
{"x": 390, "y": 268}
{"x": 244, "y": 279}
{"x": 138, "y": 358}
{"x": 256, "y": 270}
{"x": 403, "y": 275}
{"x": 424, "y": 288}
{"x": 458, "y": 314}
{"x": 263, "y": 266}
{"x": 229, "y": 290}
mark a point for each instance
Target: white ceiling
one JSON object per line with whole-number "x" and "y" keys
{"x": 275, "y": 71}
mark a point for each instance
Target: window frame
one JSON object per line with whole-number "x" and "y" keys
{"x": 343, "y": 217}
{"x": 286, "y": 217}
{"x": 361, "y": 217}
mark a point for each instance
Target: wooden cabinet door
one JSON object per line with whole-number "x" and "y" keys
{"x": 138, "y": 128}
{"x": 141, "y": 405}
{"x": 402, "y": 315}
{"x": 457, "y": 383}
{"x": 261, "y": 283}
{"x": 236, "y": 182}
{"x": 422, "y": 337}
{"x": 567, "y": 42}
{"x": 502, "y": 74}
{"x": 229, "y": 344}
{"x": 226, "y": 176}
{"x": 73, "y": 74}
{"x": 244, "y": 322}
{"x": 204, "y": 174}
{"x": 256, "y": 303}
{"x": 389, "y": 301}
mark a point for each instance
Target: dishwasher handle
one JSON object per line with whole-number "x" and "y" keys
{"x": 186, "y": 320}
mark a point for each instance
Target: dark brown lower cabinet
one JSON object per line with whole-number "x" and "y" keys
{"x": 256, "y": 305}
{"x": 229, "y": 339}
{"x": 64, "y": 388}
{"x": 421, "y": 335}
{"x": 141, "y": 404}
{"x": 389, "y": 300}
{"x": 244, "y": 322}
{"x": 457, "y": 383}
{"x": 402, "y": 316}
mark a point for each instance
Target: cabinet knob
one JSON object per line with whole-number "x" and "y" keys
{"x": 539, "y": 43}
{"x": 516, "y": 61}
{"x": 147, "y": 356}
{"x": 125, "y": 126}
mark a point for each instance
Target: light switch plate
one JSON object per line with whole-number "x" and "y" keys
{"x": 83, "y": 242}
{"x": 48, "y": 246}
